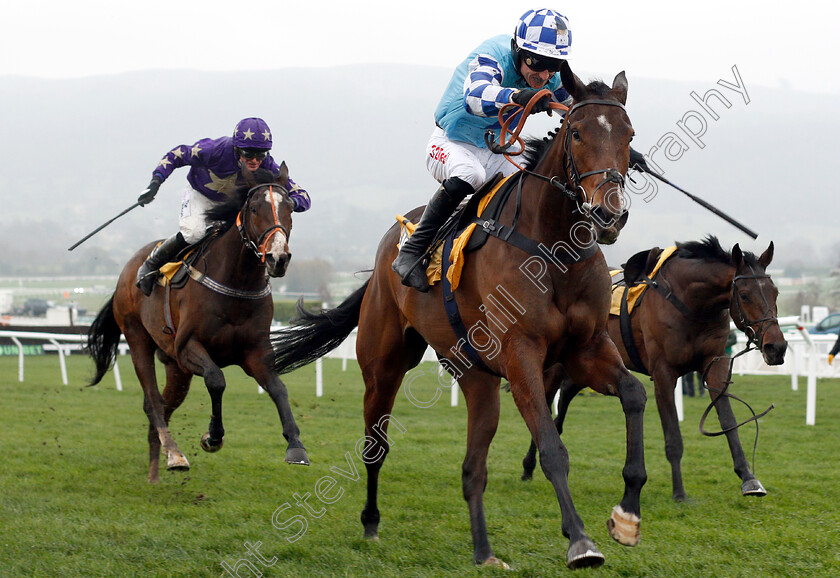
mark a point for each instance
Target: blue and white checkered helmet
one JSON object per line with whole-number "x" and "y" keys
{"x": 544, "y": 32}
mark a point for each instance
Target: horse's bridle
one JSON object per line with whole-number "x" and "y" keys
{"x": 259, "y": 246}
{"x": 611, "y": 175}
{"x": 572, "y": 176}
{"x": 753, "y": 335}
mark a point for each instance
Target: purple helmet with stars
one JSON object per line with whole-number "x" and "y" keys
{"x": 252, "y": 133}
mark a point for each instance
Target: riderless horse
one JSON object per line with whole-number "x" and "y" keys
{"x": 679, "y": 325}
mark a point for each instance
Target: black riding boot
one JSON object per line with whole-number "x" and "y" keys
{"x": 408, "y": 263}
{"x": 161, "y": 255}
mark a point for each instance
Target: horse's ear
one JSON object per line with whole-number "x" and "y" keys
{"x": 619, "y": 87}
{"x": 571, "y": 82}
{"x": 283, "y": 174}
{"x": 639, "y": 264}
{"x": 767, "y": 256}
{"x": 737, "y": 256}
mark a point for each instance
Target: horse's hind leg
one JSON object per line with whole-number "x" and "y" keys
{"x": 256, "y": 367}
{"x": 385, "y": 353}
{"x": 750, "y": 485}
{"x": 665, "y": 379}
{"x": 142, "y": 349}
{"x": 482, "y": 396}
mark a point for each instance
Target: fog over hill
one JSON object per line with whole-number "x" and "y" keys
{"x": 77, "y": 152}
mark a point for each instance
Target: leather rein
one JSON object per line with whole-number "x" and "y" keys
{"x": 573, "y": 177}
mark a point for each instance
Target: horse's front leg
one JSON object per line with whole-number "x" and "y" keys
{"x": 256, "y": 367}
{"x": 524, "y": 364}
{"x": 717, "y": 376}
{"x": 193, "y": 357}
{"x": 598, "y": 365}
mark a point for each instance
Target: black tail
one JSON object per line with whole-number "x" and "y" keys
{"x": 314, "y": 335}
{"x": 103, "y": 340}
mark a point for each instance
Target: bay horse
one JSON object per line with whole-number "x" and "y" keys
{"x": 220, "y": 317}
{"x": 527, "y": 307}
{"x": 683, "y": 327}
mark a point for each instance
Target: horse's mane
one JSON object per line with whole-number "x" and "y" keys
{"x": 535, "y": 147}
{"x": 709, "y": 249}
{"x": 223, "y": 214}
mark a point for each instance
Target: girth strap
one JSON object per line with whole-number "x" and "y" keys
{"x": 451, "y": 308}
{"x": 626, "y": 326}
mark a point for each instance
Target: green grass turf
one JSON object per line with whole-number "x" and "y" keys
{"x": 74, "y": 500}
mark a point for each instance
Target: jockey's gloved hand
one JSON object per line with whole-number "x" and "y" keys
{"x": 523, "y": 96}
{"x": 637, "y": 161}
{"x": 149, "y": 194}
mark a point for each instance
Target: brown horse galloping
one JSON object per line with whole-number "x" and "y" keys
{"x": 687, "y": 331}
{"x": 220, "y": 317}
{"x": 523, "y": 308}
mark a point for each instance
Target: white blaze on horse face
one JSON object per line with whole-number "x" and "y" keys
{"x": 279, "y": 243}
{"x": 602, "y": 120}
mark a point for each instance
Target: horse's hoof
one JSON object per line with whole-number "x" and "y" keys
{"x": 625, "y": 527}
{"x": 753, "y": 488}
{"x": 177, "y": 462}
{"x": 495, "y": 563}
{"x": 371, "y": 535}
{"x": 526, "y": 476}
{"x": 210, "y": 447}
{"x": 583, "y": 554}
{"x": 297, "y": 456}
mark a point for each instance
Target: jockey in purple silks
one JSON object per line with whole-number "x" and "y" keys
{"x": 216, "y": 169}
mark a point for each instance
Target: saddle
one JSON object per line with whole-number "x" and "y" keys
{"x": 486, "y": 204}
{"x": 176, "y": 273}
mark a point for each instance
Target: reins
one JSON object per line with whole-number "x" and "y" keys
{"x": 573, "y": 177}
{"x": 754, "y": 339}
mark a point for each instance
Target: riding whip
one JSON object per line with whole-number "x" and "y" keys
{"x": 700, "y": 202}
{"x": 102, "y": 226}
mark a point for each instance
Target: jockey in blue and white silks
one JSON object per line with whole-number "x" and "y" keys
{"x": 500, "y": 71}
{"x": 216, "y": 169}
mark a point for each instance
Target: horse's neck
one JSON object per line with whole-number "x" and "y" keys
{"x": 230, "y": 262}
{"x": 554, "y": 217}
{"x": 705, "y": 288}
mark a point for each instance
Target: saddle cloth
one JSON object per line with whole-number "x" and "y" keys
{"x": 634, "y": 294}
{"x": 457, "y": 257}
{"x": 176, "y": 272}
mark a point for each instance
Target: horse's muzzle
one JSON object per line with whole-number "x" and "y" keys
{"x": 276, "y": 266}
{"x": 774, "y": 352}
{"x": 607, "y": 226}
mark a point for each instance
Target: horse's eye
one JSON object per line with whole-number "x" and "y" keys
{"x": 744, "y": 297}
{"x": 575, "y": 134}
{"x": 253, "y": 210}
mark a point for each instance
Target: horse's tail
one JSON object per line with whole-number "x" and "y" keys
{"x": 103, "y": 340}
{"x": 313, "y": 335}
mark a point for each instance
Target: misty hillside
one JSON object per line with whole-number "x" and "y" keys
{"x": 77, "y": 152}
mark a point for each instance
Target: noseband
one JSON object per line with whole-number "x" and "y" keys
{"x": 259, "y": 247}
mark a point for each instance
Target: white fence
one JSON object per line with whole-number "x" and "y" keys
{"x": 807, "y": 356}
